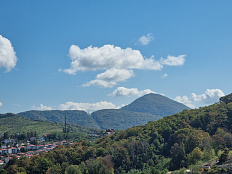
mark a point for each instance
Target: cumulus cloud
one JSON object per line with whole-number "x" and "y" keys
{"x": 185, "y": 100}
{"x": 209, "y": 97}
{"x": 118, "y": 63}
{"x": 0, "y": 104}
{"x": 145, "y": 40}
{"x": 88, "y": 107}
{"x": 8, "y": 57}
{"x": 42, "y": 107}
{"x": 122, "y": 91}
{"x": 173, "y": 61}
{"x": 108, "y": 56}
{"x": 111, "y": 77}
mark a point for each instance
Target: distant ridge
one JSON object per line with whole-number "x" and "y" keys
{"x": 73, "y": 116}
{"x": 155, "y": 104}
{"x": 150, "y": 107}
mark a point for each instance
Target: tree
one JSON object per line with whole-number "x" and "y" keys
{"x": 73, "y": 169}
{"x": 224, "y": 156}
{"x": 195, "y": 156}
{"x": 55, "y": 169}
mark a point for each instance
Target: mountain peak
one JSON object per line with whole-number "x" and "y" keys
{"x": 155, "y": 104}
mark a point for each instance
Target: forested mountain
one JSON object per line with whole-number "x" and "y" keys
{"x": 150, "y": 107}
{"x": 72, "y": 116}
{"x": 121, "y": 119}
{"x": 12, "y": 123}
{"x": 186, "y": 139}
{"x": 155, "y": 104}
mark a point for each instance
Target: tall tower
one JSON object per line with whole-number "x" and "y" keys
{"x": 65, "y": 125}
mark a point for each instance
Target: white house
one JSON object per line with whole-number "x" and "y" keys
{"x": 12, "y": 150}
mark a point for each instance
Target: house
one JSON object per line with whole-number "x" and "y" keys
{"x": 1, "y": 162}
{"x": 52, "y": 147}
{"x": 12, "y": 150}
{"x": 48, "y": 145}
{"x": 29, "y": 152}
{"x": 3, "y": 147}
{"x": 56, "y": 143}
{"x": 31, "y": 147}
{"x": 47, "y": 149}
{"x": 38, "y": 151}
{"x": 6, "y": 141}
{"x": 22, "y": 148}
{"x": 7, "y": 159}
{"x": 32, "y": 138}
{"x": 3, "y": 151}
{"x": 63, "y": 142}
{"x": 109, "y": 131}
{"x": 40, "y": 146}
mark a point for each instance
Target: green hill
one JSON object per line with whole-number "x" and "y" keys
{"x": 155, "y": 104}
{"x": 13, "y": 123}
{"x": 150, "y": 107}
{"x": 121, "y": 119}
{"x": 73, "y": 116}
{"x": 187, "y": 139}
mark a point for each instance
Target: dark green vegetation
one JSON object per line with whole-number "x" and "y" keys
{"x": 181, "y": 140}
{"x": 155, "y": 104}
{"x": 150, "y": 107}
{"x": 12, "y": 124}
{"x": 121, "y": 119}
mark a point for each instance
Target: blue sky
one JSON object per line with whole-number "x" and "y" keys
{"x": 91, "y": 55}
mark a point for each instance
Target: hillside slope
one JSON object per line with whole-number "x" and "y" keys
{"x": 13, "y": 123}
{"x": 150, "y": 107}
{"x": 121, "y": 119}
{"x": 72, "y": 116}
{"x": 155, "y": 104}
{"x": 186, "y": 139}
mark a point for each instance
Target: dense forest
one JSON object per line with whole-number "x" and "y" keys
{"x": 184, "y": 140}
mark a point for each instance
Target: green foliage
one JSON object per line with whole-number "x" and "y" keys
{"x": 155, "y": 104}
{"x": 184, "y": 140}
{"x": 11, "y": 124}
{"x": 73, "y": 169}
{"x": 224, "y": 156}
{"x": 121, "y": 119}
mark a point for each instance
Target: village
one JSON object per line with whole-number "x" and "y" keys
{"x": 33, "y": 146}
{"x": 11, "y": 148}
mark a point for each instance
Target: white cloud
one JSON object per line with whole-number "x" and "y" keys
{"x": 8, "y": 57}
{"x": 185, "y": 100}
{"x": 108, "y": 56}
{"x": 0, "y": 104}
{"x": 88, "y": 107}
{"x": 173, "y": 61}
{"x": 119, "y": 63}
{"x": 209, "y": 97}
{"x": 122, "y": 91}
{"x": 42, "y": 107}
{"x": 145, "y": 40}
{"x": 164, "y": 76}
{"x": 111, "y": 77}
